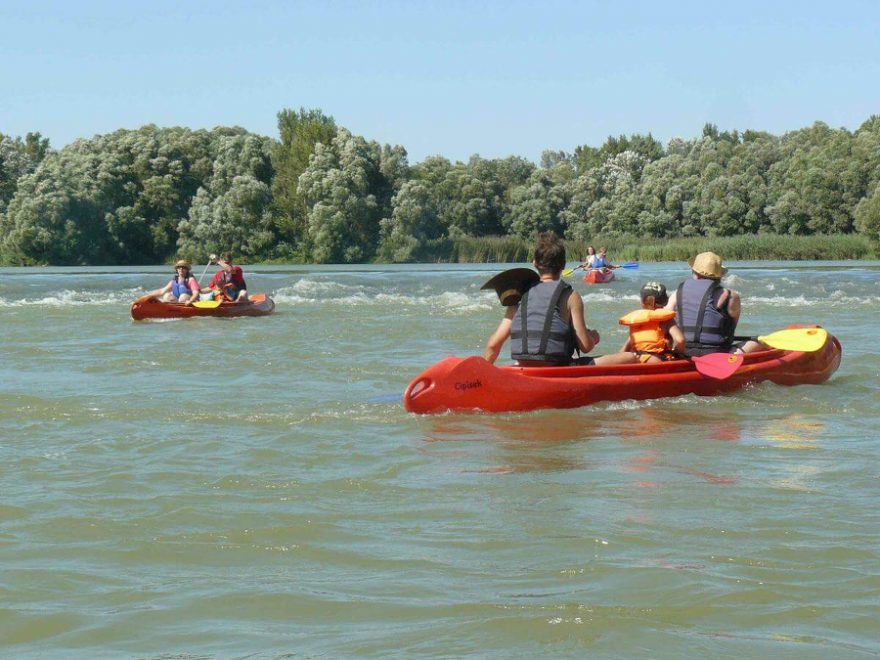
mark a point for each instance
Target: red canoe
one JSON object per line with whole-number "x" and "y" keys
{"x": 599, "y": 276}
{"x": 467, "y": 384}
{"x": 146, "y": 307}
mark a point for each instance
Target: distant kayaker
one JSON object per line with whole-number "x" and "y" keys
{"x": 590, "y": 260}
{"x": 547, "y": 324}
{"x": 229, "y": 281}
{"x": 182, "y": 288}
{"x": 706, "y": 312}
{"x": 601, "y": 260}
{"x": 653, "y": 334}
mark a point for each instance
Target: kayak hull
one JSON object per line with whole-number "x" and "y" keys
{"x": 599, "y": 276}
{"x": 472, "y": 384}
{"x": 150, "y": 308}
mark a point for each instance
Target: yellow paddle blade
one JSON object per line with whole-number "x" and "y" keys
{"x": 207, "y": 304}
{"x": 797, "y": 339}
{"x": 567, "y": 272}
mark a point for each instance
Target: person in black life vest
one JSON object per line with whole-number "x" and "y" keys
{"x": 706, "y": 312}
{"x": 547, "y": 324}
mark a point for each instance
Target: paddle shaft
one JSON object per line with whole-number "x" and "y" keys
{"x": 207, "y": 266}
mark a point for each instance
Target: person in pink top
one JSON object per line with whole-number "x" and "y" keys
{"x": 182, "y": 288}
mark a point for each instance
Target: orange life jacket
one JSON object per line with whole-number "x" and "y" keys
{"x": 645, "y": 331}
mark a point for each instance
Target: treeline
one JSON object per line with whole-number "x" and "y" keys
{"x": 318, "y": 193}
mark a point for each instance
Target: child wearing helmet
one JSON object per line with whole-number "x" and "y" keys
{"x": 653, "y": 334}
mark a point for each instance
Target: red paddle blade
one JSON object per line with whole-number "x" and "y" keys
{"x": 718, "y": 365}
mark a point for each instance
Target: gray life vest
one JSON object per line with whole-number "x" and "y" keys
{"x": 538, "y": 332}
{"x": 697, "y": 314}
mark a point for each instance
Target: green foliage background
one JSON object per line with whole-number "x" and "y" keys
{"x": 319, "y": 193}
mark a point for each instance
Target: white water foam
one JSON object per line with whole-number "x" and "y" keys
{"x": 309, "y": 291}
{"x": 67, "y": 298}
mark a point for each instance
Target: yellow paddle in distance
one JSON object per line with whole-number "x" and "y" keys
{"x": 207, "y": 304}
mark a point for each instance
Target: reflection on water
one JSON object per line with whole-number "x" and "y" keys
{"x": 650, "y": 423}
{"x": 543, "y": 441}
{"x": 545, "y": 428}
{"x": 537, "y": 442}
{"x": 796, "y": 431}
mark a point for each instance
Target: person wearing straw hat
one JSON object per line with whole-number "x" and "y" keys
{"x": 545, "y": 316}
{"x": 182, "y": 288}
{"x": 707, "y": 312}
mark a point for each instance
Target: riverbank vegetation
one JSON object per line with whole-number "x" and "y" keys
{"x": 632, "y": 248}
{"x": 318, "y": 193}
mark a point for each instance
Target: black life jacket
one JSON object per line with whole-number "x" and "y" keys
{"x": 538, "y": 332}
{"x": 704, "y": 324}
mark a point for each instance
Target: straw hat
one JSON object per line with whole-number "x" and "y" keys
{"x": 707, "y": 264}
{"x": 183, "y": 263}
{"x": 511, "y": 284}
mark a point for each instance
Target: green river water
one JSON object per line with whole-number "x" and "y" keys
{"x": 254, "y": 488}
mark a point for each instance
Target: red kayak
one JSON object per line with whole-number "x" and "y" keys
{"x": 599, "y": 276}
{"x": 148, "y": 307}
{"x": 469, "y": 384}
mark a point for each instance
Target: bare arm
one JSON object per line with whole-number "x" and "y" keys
{"x": 678, "y": 341}
{"x": 502, "y": 332}
{"x": 734, "y": 307}
{"x": 159, "y": 292}
{"x": 586, "y": 338}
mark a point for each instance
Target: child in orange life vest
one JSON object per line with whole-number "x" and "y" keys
{"x": 653, "y": 334}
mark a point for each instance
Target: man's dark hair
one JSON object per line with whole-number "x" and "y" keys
{"x": 549, "y": 253}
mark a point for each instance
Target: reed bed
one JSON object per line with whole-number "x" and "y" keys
{"x": 508, "y": 249}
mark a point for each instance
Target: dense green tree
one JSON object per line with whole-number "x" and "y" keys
{"x": 867, "y": 215}
{"x": 233, "y": 210}
{"x": 344, "y": 188}
{"x": 299, "y": 131}
{"x": 17, "y": 158}
{"x": 117, "y": 198}
{"x": 324, "y": 194}
{"x": 538, "y": 204}
{"x": 414, "y": 221}
{"x": 646, "y": 146}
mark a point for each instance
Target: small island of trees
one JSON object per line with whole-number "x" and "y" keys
{"x": 320, "y": 194}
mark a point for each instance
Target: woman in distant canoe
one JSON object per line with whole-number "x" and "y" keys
{"x": 591, "y": 258}
{"x": 182, "y": 288}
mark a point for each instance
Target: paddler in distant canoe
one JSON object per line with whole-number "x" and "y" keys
{"x": 707, "y": 312}
{"x": 182, "y": 288}
{"x": 545, "y": 316}
{"x": 229, "y": 282}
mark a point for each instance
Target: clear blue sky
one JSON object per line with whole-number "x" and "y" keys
{"x": 451, "y": 78}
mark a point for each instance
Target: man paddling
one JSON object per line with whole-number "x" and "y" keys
{"x": 229, "y": 280}
{"x": 547, "y": 324}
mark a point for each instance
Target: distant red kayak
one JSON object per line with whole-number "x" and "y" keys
{"x": 599, "y": 276}
{"x": 146, "y": 307}
{"x": 468, "y": 384}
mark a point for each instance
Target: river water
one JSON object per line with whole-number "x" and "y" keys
{"x": 222, "y": 488}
